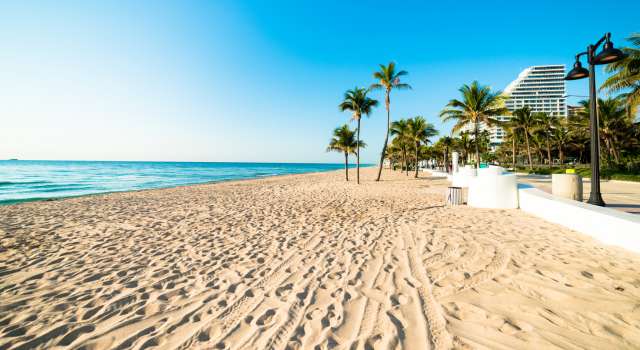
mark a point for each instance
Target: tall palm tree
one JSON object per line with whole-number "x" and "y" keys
{"x": 394, "y": 153}
{"x": 478, "y": 104}
{"x": 484, "y": 142}
{"x": 525, "y": 121}
{"x": 465, "y": 144}
{"x": 389, "y": 79}
{"x": 444, "y": 143}
{"x": 545, "y": 123}
{"x": 626, "y": 76}
{"x": 400, "y": 129}
{"x": 515, "y": 138}
{"x": 420, "y": 131}
{"x": 612, "y": 122}
{"x": 356, "y": 101}
{"x": 537, "y": 143}
{"x": 344, "y": 141}
{"x": 426, "y": 152}
{"x": 561, "y": 137}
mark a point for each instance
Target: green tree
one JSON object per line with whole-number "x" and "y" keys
{"x": 400, "y": 129}
{"x": 394, "y": 153}
{"x": 444, "y": 143}
{"x": 546, "y": 122}
{"x": 389, "y": 79}
{"x": 526, "y": 122}
{"x": 357, "y": 102}
{"x": 465, "y": 145}
{"x": 515, "y": 138}
{"x": 344, "y": 141}
{"x": 626, "y": 77}
{"x": 561, "y": 138}
{"x": 419, "y": 131}
{"x": 612, "y": 123}
{"x": 478, "y": 104}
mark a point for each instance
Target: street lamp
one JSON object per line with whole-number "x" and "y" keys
{"x": 608, "y": 55}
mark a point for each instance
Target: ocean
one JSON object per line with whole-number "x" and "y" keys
{"x": 30, "y": 180}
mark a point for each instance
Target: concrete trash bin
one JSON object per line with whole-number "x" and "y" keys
{"x": 567, "y": 186}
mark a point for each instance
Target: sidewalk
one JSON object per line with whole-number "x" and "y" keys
{"x": 617, "y": 195}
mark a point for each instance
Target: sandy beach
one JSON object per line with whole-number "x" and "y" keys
{"x": 306, "y": 262}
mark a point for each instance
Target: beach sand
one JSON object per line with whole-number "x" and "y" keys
{"x": 306, "y": 262}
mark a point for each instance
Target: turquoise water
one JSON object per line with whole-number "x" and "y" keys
{"x": 27, "y": 180}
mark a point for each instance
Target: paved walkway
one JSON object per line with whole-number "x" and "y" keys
{"x": 617, "y": 195}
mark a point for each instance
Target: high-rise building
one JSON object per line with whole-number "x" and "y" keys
{"x": 539, "y": 87}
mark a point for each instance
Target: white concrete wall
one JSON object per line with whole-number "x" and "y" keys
{"x": 607, "y": 225}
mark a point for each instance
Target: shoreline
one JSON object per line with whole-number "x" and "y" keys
{"x": 51, "y": 199}
{"x": 306, "y": 261}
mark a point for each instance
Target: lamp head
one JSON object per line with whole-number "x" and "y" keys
{"x": 609, "y": 54}
{"x": 577, "y": 72}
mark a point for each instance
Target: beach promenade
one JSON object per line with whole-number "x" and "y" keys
{"x": 306, "y": 261}
{"x": 619, "y": 195}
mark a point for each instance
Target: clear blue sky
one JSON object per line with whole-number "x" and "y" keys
{"x": 258, "y": 81}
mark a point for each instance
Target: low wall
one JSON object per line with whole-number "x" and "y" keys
{"x": 609, "y": 226}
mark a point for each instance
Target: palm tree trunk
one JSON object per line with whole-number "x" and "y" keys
{"x": 446, "y": 159}
{"x": 407, "y": 159}
{"x": 580, "y": 158}
{"x": 475, "y": 139}
{"x": 386, "y": 139}
{"x": 548, "y": 150}
{"x": 358, "y": 154}
{"x": 561, "y": 155}
{"x": 417, "y": 147}
{"x": 346, "y": 166}
{"x": 526, "y": 135}
{"x": 615, "y": 152}
{"x": 608, "y": 144}
{"x": 513, "y": 143}
{"x": 404, "y": 167}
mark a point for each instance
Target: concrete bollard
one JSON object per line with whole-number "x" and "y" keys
{"x": 567, "y": 186}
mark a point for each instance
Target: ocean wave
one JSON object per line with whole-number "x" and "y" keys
{"x": 265, "y": 175}
{"x": 7, "y": 183}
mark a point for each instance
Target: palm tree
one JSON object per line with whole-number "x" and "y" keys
{"x": 478, "y": 104}
{"x": 578, "y": 142}
{"x": 561, "y": 137}
{"x": 538, "y": 145}
{"x": 426, "y": 152}
{"x": 612, "y": 123}
{"x": 545, "y": 123}
{"x": 393, "y": 153}
{"x": 515, "y": 138}
{"x": 356, "y": 101}
{"x": 389, "y": 79}
{"x": 419, "y": 131}
{"x": 465, "y": 144}
{"x": 523, "y": 120}
{"x": 444, "y": 143}
{"x": 400, "y": 129}
{"x": 344, "y": 141}
{"x": 626, "y": 76}
{"x": 484, "y": 142}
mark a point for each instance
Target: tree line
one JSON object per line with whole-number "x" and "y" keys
{"x": 528, "y": 135}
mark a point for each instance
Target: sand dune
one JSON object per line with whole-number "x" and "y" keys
{"x": 306, "y": 262}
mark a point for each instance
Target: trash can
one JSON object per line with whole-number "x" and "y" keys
{"x": 567, "y": 186}
{"x": 394, "y": 168}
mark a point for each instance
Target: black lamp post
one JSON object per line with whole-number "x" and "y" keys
{"x": 608, "y": 55}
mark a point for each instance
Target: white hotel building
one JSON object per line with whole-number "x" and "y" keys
{"x": 539, "y": 87}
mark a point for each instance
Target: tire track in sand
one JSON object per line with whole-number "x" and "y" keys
{"x": 437, "y": 331}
